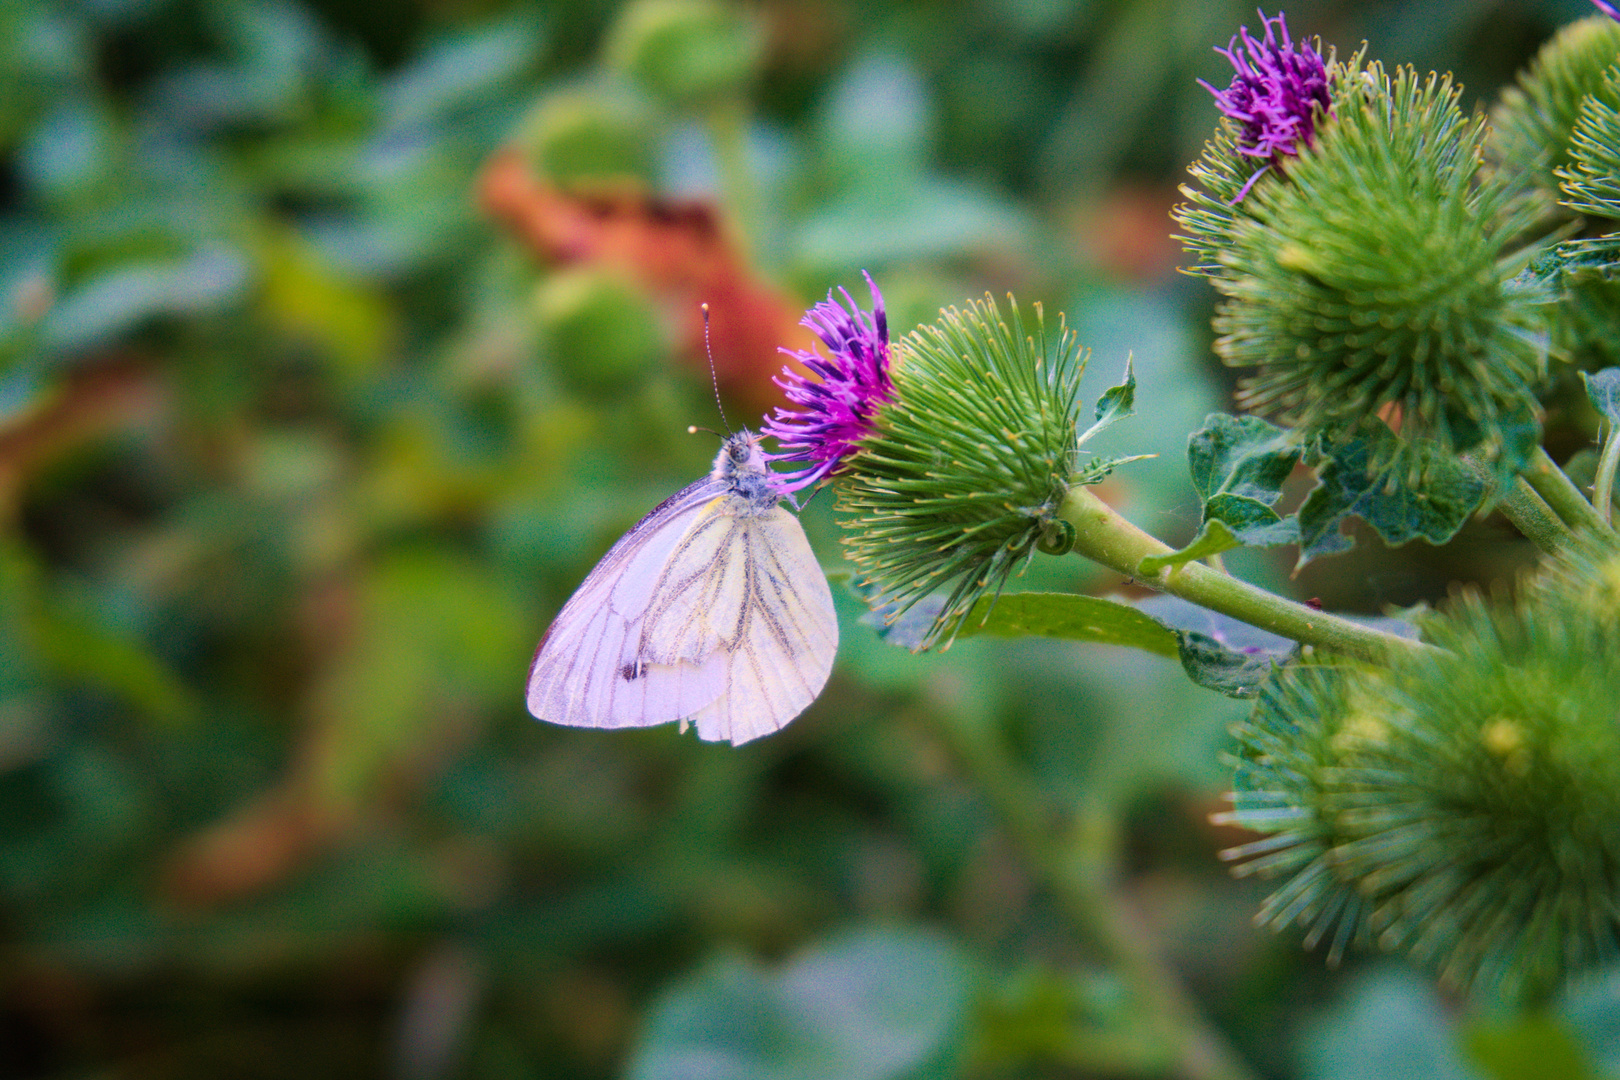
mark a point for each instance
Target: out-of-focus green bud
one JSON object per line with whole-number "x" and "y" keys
{"x": 599, "y": 332}
{"x": 1592, "y": 180}
{"x": 1460, "y": 806}
{"x": 686, "y": 51}
{"x": 588, "y": 137}
{"x": 1533, "y": 122}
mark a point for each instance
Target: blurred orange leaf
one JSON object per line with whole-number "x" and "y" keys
{"x": 676, "y": 249}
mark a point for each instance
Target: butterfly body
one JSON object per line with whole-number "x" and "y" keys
{"x": 712, "y": 609}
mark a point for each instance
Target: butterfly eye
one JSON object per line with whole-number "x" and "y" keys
{"x": 738, "y": 452}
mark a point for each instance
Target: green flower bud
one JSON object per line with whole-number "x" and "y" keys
{"x": 686, "y": 51}
{"x": 588, "y": 137}
{"x": 1462, "y": 806}
{"x": 1367, "y": 283}
{"x": 959, "y": 481}
{"x": 1534, "y": 121}
{"x": 601, "y": 335}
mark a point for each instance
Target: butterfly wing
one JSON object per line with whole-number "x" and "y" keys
{"x": 744, "y": 601}
{"x": 576, "y": 677}
{"x": 697, "y": 613}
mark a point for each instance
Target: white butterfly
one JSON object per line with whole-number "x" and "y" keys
{"x": 712, "y": 610}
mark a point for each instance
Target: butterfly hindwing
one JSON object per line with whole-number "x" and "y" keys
{"x": 782, "y": 647}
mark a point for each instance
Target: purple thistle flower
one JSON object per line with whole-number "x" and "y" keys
{"x": 1608, "y": 9}
{"x": 1275, "y": 93}
{"x": 836, "y": 407}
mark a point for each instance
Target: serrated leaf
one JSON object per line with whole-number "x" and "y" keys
{"x": 1115, "y": 405}
{"x": 1238, "y": 465}
{"x": 1240, "y": 455}
{"x": 1398, "y": 509}
{"x": 1603, "y": 390}
{"x": 1251, "y": 521}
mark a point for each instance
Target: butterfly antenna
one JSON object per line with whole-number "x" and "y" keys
{"x": 714, "y": 380}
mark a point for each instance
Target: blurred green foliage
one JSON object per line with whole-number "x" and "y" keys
{"x": 299, "y": 453}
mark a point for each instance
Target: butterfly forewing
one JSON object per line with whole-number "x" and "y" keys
{"x": 577, "y": 671}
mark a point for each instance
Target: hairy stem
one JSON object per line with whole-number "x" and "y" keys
{"x": 1531, "y": 515}
{"x": 1103, "y": 536}
{"x": 1561, "y": 494}
{"x": 1078, "y": 864}
{"x": 1603, "y": 484}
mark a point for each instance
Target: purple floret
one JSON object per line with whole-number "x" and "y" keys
{"x": 1608, "y": 9}
{"x": 1276, "y": 93}
{"x": 837, "y": 405}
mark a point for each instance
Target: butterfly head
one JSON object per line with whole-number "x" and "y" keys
{"x": 741, "y": 465}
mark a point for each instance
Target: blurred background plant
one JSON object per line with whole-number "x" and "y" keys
{"x": 337, "y": 341}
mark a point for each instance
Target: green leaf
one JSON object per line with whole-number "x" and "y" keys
{"x": 1603, "y": 389}
{"x": 1066, "y": 616}
{"x": 1251, "y": 521}
{"x": 872, "y": 1005}
{"x": 1397, "y": 508}
{"x": 1115, "y": 405}
{"x": 1230, "y": 521}
{"x": 435, "y": 634}
{"x": 1392, "y": 1025}
{"x": 1242, "y": 455}
{"x": 1591, "y": 1007}
{"x": 462, "y": 70}
{"x": 1070, "y": 617}
{"x": 126, "y": 295}
{"x": 1218, "y": 652}
{"x": 1215, "y": 666}
{"x": 1238, "y": 465}
{"x": 1212, "y": 539}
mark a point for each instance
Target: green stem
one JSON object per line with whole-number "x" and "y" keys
{"x": 1603, "y": 484}
{"x": 1103, "y": 536}
{"x": 1078, "y": 869}
{"x": 1561, "y": 494}
{"x": 1531, "y": 515}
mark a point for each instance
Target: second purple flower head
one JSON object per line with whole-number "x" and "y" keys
{"x": 1279, "y": 87}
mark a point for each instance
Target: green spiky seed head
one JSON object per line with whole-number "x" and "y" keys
{"x": 1591, "y": 179}
{"x": 1534, "y": 121}
{"x": 959, "y": 483}
{"x": 1462, "y": 807}
{"x": 1366, "y": 284}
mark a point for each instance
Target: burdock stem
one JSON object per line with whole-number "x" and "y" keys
{"x": 1105, "y": 537}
